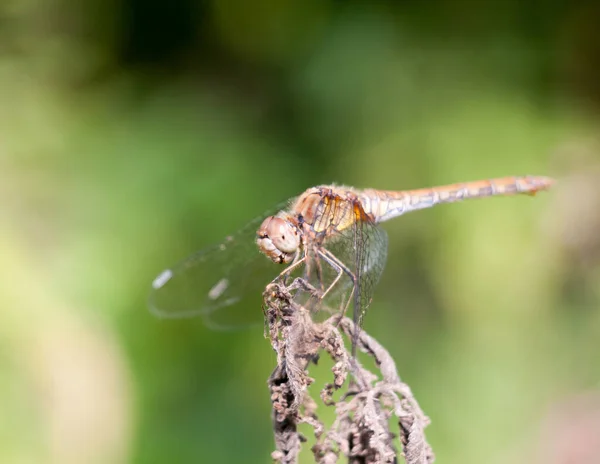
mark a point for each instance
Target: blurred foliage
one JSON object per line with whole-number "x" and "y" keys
{"x": 134, "y": 132}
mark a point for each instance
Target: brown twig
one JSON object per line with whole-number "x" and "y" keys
{"x": 360, "y": 431}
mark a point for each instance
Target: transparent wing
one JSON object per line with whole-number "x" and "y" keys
{"x": 371, "y": 244}
{"x": 360, "y": 250}
{"x": 223, "y": 283}
{"x": 363, "y": 250}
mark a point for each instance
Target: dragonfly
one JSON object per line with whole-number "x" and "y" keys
{"x": 329, "y": 235}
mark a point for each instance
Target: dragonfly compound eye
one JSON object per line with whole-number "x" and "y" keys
{"x": 278, "y": 239}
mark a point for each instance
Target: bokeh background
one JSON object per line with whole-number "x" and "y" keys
{"x": 134, "y": 132}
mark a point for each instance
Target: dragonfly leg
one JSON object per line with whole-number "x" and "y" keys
{"x": 285, "y": 273}
{"x": 339, "y": 266}
{"x": 344, "y": 306}
{"x": 305, "y": 285}
{"x": 319, "y": 271}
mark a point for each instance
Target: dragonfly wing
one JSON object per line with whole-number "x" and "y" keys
{"x": 363, "y": 250}
{"x": 223, "y": 284}
{"x": 370, "y": 254}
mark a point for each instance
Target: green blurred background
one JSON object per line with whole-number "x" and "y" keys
{"x": 134, "y": 132}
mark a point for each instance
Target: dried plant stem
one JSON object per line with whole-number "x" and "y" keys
{"x": 360, "y": 431}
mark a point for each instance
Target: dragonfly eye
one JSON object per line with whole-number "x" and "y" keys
{"x": 278, "y": 239}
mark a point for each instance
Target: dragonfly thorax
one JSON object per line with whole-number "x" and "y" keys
{"x": 278, "y": 239}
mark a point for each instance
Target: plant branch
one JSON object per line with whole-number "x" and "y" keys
{"x": 361, "y": 429}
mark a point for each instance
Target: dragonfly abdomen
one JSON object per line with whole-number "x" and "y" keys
{"x": 385, "y": 205}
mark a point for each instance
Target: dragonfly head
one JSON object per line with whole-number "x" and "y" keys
{"x": 279, "y": 239}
